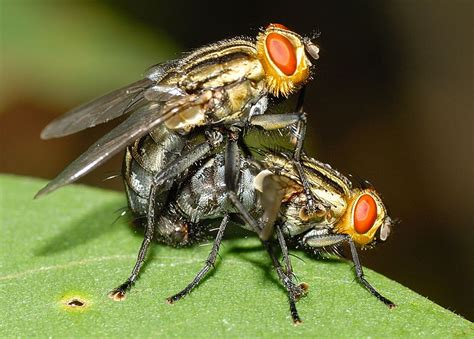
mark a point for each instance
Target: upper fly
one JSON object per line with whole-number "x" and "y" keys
{"x": 215, "y": 85}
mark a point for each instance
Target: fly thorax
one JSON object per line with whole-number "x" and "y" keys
{"x": 293, "y": 224}
{"x": 333, "y": 202}
{"x": 188, "y": 112}
{"x": 223, "y": 68}
{"x": 237, "y": 101}
{"x": 232, "y": 73}
{"x": 299, "y": 220}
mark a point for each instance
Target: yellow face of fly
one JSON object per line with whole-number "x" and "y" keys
{"x": 282, "y": 55}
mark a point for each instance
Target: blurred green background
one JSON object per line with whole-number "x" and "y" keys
{"x": 391, "y": 102}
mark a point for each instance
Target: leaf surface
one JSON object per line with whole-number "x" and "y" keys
{"x": 66, "y": 246}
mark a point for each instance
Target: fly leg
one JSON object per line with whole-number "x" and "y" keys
{"x": 319, "y": 241}
{"x": 300, "y": 135}
{"x": 295, "y": 292}
{"x": 361, "y": 278}
{"x": 232, "y": 159}
{"x": 210, "y": 261}
{"x": 284, "y": 251}
{"x": 298, "y": 119}
{"x": 286, "y": 259}
{"x": 174, "y": 169}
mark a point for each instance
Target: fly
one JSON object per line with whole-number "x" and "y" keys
{"x": 216, "y": 85}
{"x": 268, "y": 198}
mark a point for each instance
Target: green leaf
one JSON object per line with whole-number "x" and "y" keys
{"x": 66, "y": 246}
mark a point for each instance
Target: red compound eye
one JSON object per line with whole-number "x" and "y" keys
{"x": 365, "y": 213}
{"x": 281, "y": 52}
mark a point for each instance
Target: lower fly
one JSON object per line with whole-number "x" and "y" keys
{"x": 269, "y": 199}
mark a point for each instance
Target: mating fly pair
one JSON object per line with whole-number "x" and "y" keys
{"x": 189, "y": 115}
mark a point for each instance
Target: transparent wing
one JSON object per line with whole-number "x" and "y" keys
{"x": 116, "y": 103}
{"x": 139, "y": 123}
{"x": 98, "y": 111}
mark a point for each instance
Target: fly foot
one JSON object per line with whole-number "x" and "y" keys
{"x": 119, "y": 293}
{"x": 174, "y": 298}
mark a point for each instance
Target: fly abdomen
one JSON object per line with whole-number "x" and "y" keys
{"x": 146, "y": 157}
{"x": 204, "y": 196}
